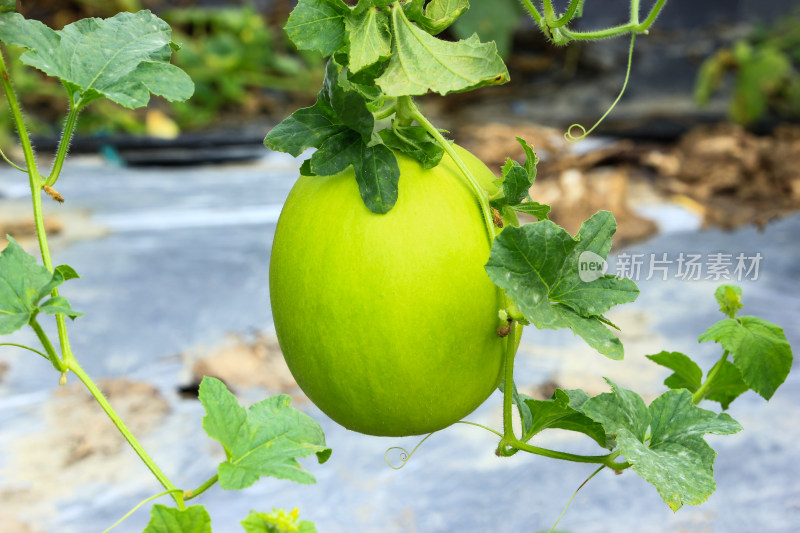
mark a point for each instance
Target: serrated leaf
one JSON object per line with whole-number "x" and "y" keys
{"x": 305, "y": 128}
{"x": 729, "y": 298}
{"x": 687, "y": 375}
{"x": 760, "y": 351}
{"x": 727, "y": 384}
{"x": 123, "y": 58}
{"x": 318, "y": 25}
{"x": 278, "y": 521}
{"x": 538, "y": 267}
{"x": 675, "y": 459}
{"x": 559, "y": 413}
{"x": 23, "y": 284}
{"x": 540, "y": 211}
{"x": 414, "y": 142}
{"x": 163, "y": 519}
{"x": 422, "y": 63}
{"x": 370, "y": 38}
{"x": 264, "y": 440}
{"x": 517, "y": 179}
{"x": 437, "y": 15}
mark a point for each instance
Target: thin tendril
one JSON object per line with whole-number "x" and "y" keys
{"x": 118, "y": 522}
{"x": 568, "y": 134}
{"x": 12, "y": 163}
{"x": 25, "y": 347}
{"x": 573, "y": 497}
{"x": 405, "y": 456}
{"x": 480, "y": 426}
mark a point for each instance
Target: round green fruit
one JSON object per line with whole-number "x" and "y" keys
{"x": 388, "y": 322}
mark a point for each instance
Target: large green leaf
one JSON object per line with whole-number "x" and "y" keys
{"x": 264, "y": 440}
{"x": 123, "y": 58}
{"x": 760, "y": 351}
{"x": 538, "y": 265}
{"x": 675, "y": 458}
{"x": 24, "y": 283}
{"x": 422, "y": 63}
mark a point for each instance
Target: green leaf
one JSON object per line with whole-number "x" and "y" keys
{"x": 760, "y": 351}
{"x": 305, "y": 128}
{"x": 618, "y": 410}
{"x": 538, "y": 265}
{"x": 123, "y": 58}
{"x": 278, "y": 521}
{"x": 422, "y": 63}
{"x": 540, "y": 211}
{"x": 414, "y": 142}
{"x": 23, "y": 283}
{"x": 687, "y": 375}
{"x": 264, "y": 440}
{"x": 517, "y": 179}
{"x": 377, "y": 174}
{"x": 338, "y": 152}
{"x": 675, "y": 459}
{"x": 163, "y": 519}
{"x": 370, "y": 38}
{"x": 318, "y": 25}
{"x": 729, "y": 298}
{"x": 437, "y": 15}
{"x": 727, "y": 384}
{"x": 58, "y": 304}
{"x": 560, "y": 412}
{"x": 348, "y": 104}
{"x": 8, "y": 5}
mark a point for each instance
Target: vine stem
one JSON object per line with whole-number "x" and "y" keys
{"x": 189, "y": 494}
{"x": 700, "y": 393}
{"x": 67, "y": 361}
{"x": 176, "y": 493}
{"x": 63, "y": 145}
{"x": 510, "y": 443}
{"x": 406, "y": 107}
{"x": 36, "y": 196}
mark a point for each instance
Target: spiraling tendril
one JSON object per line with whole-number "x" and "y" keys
{"x": 405, "y": 455}
{"x": 568, "y": 135}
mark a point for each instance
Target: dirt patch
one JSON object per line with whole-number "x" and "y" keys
{"x": 63, "y": 225}
{"x": 730, "y": 176}
{"x": 76, "y": 446}
{"x": 576, "y": 185}
{"x": 739, "y": 178}
{"x": 243, "y": 362}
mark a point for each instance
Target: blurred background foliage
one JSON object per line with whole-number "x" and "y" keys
{"x": 765, "y": 67}
{"x": 246, "y": 70}
{"x": 237, "y": 55}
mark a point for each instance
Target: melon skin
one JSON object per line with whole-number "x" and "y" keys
{"x": 388, "y": 322}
